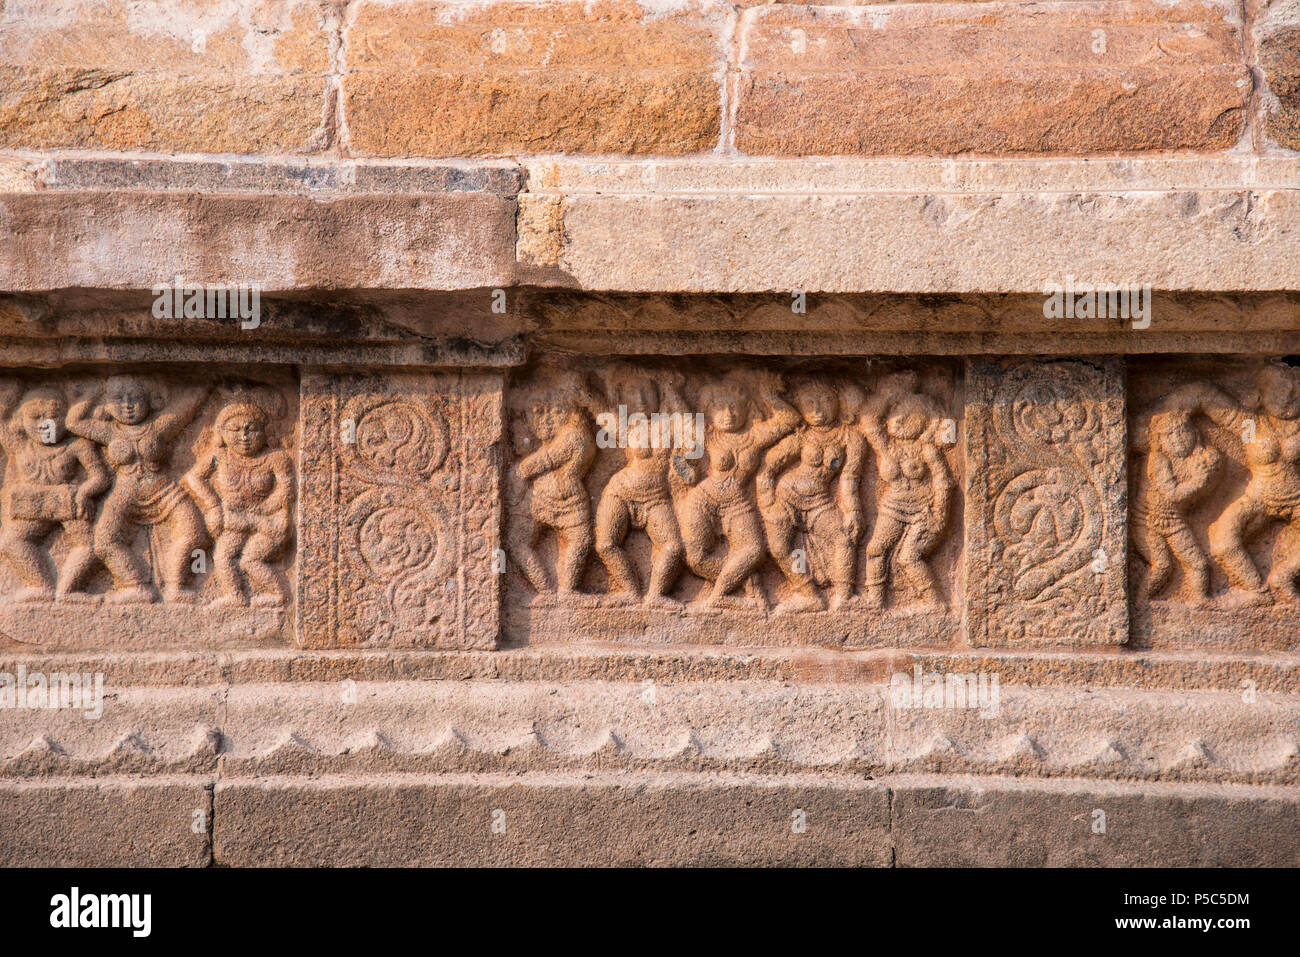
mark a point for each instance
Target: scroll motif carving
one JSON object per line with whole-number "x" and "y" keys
{"x": 746, "y": 493}
{"x": 1045, "y": 511}
{"x": 401, "y": 469}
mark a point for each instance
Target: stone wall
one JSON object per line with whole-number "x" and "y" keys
{"x": 688, "y": 432}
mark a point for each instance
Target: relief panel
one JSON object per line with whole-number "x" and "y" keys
{"x": 144, "y": 508}
{"x": 1214, "y": 466}
{"x": 734, "y": 502}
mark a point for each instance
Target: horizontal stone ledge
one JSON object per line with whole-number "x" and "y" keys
{"x": 133, "y": 239}
{"x": 106, "y": 822}
{"x": 499, "y": 327}
{"x": 920, "y": 226}
{"x": 923, "y": 226}
{"x": 689, "y": 725}
{"x": 681, "y": 819}
{"x": 1205, "y": 670}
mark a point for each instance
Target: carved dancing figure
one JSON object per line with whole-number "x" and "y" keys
{"x": 1269, "y": 428}
{"x": 818, "y": 497}
{"x": 639, "y": 495}
{"x": 723, "y": 505}
{"x": 901, "y": 425}
{"x": 1179, "y": 468}
{"x": 136, "y": 432}
{"x": 54, "y": 479}
{"x": 246, "y": 490}
{"x": 553, "y": 476}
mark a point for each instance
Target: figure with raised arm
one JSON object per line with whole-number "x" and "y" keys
{"x": 136, "y": 429}
{"x": 723, "y": 505}
{"x": 552, "y": 489}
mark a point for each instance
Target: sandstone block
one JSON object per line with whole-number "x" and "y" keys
{"x": 1046, "y": 502}
{"x": 215, "y": 76}
{"x": 1277, "y": 39}
{"x": 444, "y": 79}
{"x": 400, "y": 512}
{"x": 161, "y": 822}
{"x": 534, "y": 820}
{"x": 993, "y": 822}
{"x": 989, "y": 78}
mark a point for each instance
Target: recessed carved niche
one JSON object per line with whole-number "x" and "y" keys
{"x": 734, "y": 501}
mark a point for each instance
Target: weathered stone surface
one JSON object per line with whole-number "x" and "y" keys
{"x": 601, "y": 820}
{"x": 796, "y": 723}
{"x": 133, "y": 240}
{"x": 1046, "y": 504}
{"x": 214, "y": 76}
{"x": 1277, "y": 39}
{"x": 922, "y": 79}
{"x": 147, "y": 510}
{"x": 1001, "y": 823}
{"x": 445, "y": 79}
{"x": 400, "y": 511}
{"x": 723, "y": 503}
{"x": 1213, "y": 477}
{"x": 121, "y": 822}
{"x": 919, "y": 226}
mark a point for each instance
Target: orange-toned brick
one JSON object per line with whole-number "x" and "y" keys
{"x": 991, "y": 78}
{"x": 439, "y": 79}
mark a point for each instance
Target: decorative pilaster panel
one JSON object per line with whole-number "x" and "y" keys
{"x": 400, "y": 512}
{"x": 1046, "y": 503}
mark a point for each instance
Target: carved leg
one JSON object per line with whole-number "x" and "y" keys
{"x": 523, "y": 536}
{"x": 78, "y": 563}
{"x": 666, "y": 552}
{"x": 782, "y": 526}
{"x": 910, "y": 557}
{"x": 186, "y": 532}
{"x": 20, "y": 545}
{"x": 575, "y": 545}
{"x": 744, "y": 533}
{"x": 699, "y": 533}
{"x": 1227, "y": 544}
{"x": 225, "y": 566}
{"x": 1195, "y": 565}
{"x": 834, "y": 542}
{"x": 884, "y": 538}
{"x": 113, "y": 536}
{"x": 612, "y": 521}
{"x": 264, "y": 581}
{"x": 1286, "y": 565}
{"x": 1161, "y": 558}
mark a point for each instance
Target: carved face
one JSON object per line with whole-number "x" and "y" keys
{"x": 243, "y": 433}
{"x": 547, "y": 421}
{"x": 906, "y": 421}
{"x": 728, "y": 410}
{"x": 42, "y": 419}
{"x": 641, "y": 395}
{"x": 127, "y": 400}
{"x": 818, "y": 404}
{"x": 1278, "y": 392}
{"x": 1178, "y": 439}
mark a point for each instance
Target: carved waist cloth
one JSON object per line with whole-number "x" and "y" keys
{"x": 561, "y": 511}
{"x": 1282, "y": 500}
{"x": 150, "y": 502}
